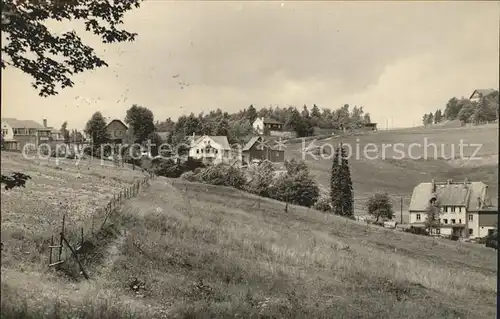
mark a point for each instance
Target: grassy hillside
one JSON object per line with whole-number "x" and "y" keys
{"x": 399, "y": 176}
{"x": 214, "y": 252}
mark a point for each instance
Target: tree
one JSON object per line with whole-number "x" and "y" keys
{"x": 466, "y": 112}
{"x": 452, "y": 109}
{"x": 251, "y": 114}
{"x": 305, "y": 112}
{"x": 315, "y": 112}
{"x": 425, "y": 119}
{"x": 438, "y": 117}
{"x": 432, "y": 222}
{"x": 76, "y": 136}
{"x": 96, "y": 129}
{"x": 65, "y": 132}
{"x": 485, "y": 111}
{"x": 141, "y": 120}
{"x": 166, "y": 126}
{"x": 367, "y": 118}
{"x": 430, "y": 119}
{"x": 379, "y": 205}
{"x": 341, "y": 191}
{"x": 53, "y": 59}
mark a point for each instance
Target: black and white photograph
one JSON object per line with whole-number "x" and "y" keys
{"x": 249, "y": 159}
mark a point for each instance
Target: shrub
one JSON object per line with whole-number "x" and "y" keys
{"x": 223, "y": 175}
{"x": 417, "y": 231}
{"x": 323, "y": 204}
{"x": 295, "y": 187}
{"x": 189, "y": 176}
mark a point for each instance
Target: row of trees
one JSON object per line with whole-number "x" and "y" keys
{"x": 467, "y": 111}
{"x": 238, "y": 126}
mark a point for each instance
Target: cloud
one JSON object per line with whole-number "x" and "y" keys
{"x": 396, "y": 59}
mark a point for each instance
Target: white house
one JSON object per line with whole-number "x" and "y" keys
{"x": 210, "y": 149}
{"x": 465, "y": 208}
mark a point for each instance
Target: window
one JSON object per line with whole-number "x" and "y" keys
{"x": 460, "y": 221}
{"x": 445, "y": 221}
{"x": 5, "y": 132}
{"x": 452, "y": 209}
{"x": 471, "y": 217}
{"x": 453, "y": 221}
{"x": 216, "y": 151}
{"x": 460, "y": 209}
{"x": 491, "y": 232}
{"x": 438, "y": 231}
{"x": 471, "y": 232}
{"x": 445, "y": 209}
{"x": 418, "y": 216}
{"x": 197, "y": 151}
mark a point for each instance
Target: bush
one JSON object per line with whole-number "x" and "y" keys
{"x": 223, "y": 175}
{"x": 417, "y": 231}
{"x": 492, "y": 241}
{"x": 189, "y": 176}
{"x": 296, "y": 188}
{"x": 323, "y": 204}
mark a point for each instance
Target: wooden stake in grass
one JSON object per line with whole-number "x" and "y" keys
{"x": 61, "y": 238}
{"x": 75, "y": 256}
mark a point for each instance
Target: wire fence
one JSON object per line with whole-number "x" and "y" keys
{"x": 62, "y": 249}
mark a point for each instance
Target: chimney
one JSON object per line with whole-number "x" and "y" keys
{"x": 44, "y": 122}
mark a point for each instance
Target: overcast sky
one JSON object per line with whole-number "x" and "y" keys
{"x": 397, "y": 60}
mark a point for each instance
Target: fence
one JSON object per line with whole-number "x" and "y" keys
{"x": 97, "y": 223}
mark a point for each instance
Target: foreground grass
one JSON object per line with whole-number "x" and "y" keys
{"x": 214, "y": 252}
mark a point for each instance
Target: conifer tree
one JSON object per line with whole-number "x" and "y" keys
{"x": 341, "y": 192}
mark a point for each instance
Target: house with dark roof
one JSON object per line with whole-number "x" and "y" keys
{"x": 20, "y": 133}
{"x": 116, "y": 130}
{"x": 260, "y": 149}
{"x": 465, "y": 208}
{"x": 272, "y": 127}
{"x": 479, "y": 93}
{"x": 211, "y": 149}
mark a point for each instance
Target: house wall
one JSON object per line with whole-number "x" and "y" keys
{"x": 473, "y": 224}
{"x": 413, "y": 217}
{"x": 258, "y": 125}
{"x": 116, "y": 130}
{"x": 459, "y": 215}
{"x": 7, "y": 132}
{"x": 216, "y": 154}
{"x": 487, "y": 221}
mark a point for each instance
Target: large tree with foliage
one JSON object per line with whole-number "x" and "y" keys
{"x": 65, "y": 132}
{"x": 341, "y": 191}
{"x": 251, "y": 114}
{"x": 380, "y": 206}
{"x": 96, "y": 129}
{"x": 141, "y": 120}
{"x": 53, "y": 59}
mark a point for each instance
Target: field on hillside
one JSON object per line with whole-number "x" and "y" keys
{"x": 213, "y": 252}
{"x": 396, "y": 173}
{"x": 31, "y": 215}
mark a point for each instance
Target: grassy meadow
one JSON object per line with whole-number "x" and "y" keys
{"x": 214, "y": 252}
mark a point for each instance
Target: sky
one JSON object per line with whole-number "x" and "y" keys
{"x": 398, "y": 60}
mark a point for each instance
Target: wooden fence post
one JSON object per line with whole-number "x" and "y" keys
{"x": 76, "y": 257}
{"x": 61, "y": 238}
{"x": 51, "y": 244}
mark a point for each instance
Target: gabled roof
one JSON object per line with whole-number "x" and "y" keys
{"x": 269, "y": 120}
{"x": 482, "y": 92}
{"x": 469, "y": 194}
{"x": 117, "y": 120}
{"x": 221, "y": 140}
{"x": 15, "y": 123}
{"x": 271, "y": 144}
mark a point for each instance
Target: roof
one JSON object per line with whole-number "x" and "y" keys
{"x": 163, "y": 135}
{"x": 254, "y": 140}
{"x": 119, "y": 121}
{"x": 15, "y": 123}
{"x": 482, "y": 92}
{"x": 452, "y": 194}
{"x": 269, "y": 120}
{"x": 221, "y": 140}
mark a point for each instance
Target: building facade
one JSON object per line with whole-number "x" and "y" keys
{"x": 117, "y": 131}
{"x": 479, "y": 93}
{"x": 260, "y": 149}
{"x": 20, "y": 133}
{"x": 211, "y": 149}
{"x": 465, "y": 208}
